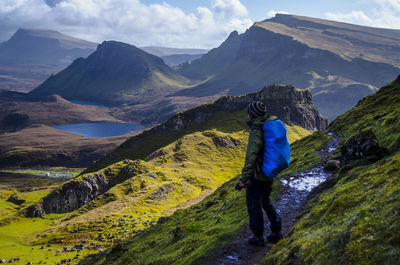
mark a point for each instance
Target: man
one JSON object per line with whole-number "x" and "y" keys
{"x": 258, "y": 186}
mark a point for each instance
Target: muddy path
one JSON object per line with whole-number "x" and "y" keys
{"x": 289, "y": 204}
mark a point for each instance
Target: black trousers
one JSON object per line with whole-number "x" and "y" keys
{"x": 257, "y": 198}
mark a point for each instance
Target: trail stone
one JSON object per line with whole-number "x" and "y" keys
{"x": 332, "y": 165}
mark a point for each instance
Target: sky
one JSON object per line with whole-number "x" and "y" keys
{"x": 179, "y": 23}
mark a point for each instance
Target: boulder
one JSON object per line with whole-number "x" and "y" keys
{"x": 332, "y": 165}
{"x": 362, "y": 145}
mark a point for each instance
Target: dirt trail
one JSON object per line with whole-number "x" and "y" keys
{"x": 289, "y": 204}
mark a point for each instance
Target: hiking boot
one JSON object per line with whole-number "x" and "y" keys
{"x": 274, "y": 237}
{"x": 255, "y": 240}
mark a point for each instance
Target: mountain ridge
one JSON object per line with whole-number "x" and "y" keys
{"x": 33, "y": 46}
{"x": 269, "y": 52}
{"x": 115, "y": 73}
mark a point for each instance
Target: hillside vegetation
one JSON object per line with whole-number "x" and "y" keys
{"x": 190, "y": 235}
{"x": 178, "y": 175}
{"x": 357, "y": 220}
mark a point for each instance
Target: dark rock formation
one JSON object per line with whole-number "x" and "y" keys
{"x": 74, "y": 194}
{"x": 35, "y": 210}
{"x": 289, "y": 104}
{"x": 71, "y": 196}
{"x": 362, "y": 145}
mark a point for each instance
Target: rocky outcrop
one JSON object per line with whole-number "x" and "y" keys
{"x": 35, "y": 210}
{"x": 76, "y": 193}
{"x": 71, "y": 196}
{"x": 364, "y": 144}
{"x": 289, "y": 104}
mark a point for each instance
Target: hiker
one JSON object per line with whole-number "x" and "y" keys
{"x": 258, "y": 185}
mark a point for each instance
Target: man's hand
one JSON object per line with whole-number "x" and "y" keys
{"x": 240, "y": 185}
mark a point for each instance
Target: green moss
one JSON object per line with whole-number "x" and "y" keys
{"x": 379, "y": 112}
{"x": 188, "y": 235}
{"x": 356, "y": 222}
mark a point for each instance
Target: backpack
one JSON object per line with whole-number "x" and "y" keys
{"x": 276, "y": 155}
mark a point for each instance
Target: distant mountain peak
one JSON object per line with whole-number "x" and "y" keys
{"x": 115, "y": 73}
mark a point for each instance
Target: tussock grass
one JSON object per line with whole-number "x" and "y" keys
{"x": 357, "y": 220}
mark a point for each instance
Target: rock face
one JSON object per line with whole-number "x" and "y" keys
{"x": 289, "y": 104}
{"x": 362, "y": 145}
{"x": 71, "y": 196}
{"x": 74, "y": 194}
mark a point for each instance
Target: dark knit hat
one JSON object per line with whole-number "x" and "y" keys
{"x": 257, "y": 109}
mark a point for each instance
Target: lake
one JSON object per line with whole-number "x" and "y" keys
{"x": 99, "y": 129}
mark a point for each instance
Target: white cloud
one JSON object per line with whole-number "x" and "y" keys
{"x": 272, "y": 13}
{"x": 229, "y": 8}
{"x": 130, "y": 21}
{"x": 386, "y": 15}
{"x": 357, "y": 17}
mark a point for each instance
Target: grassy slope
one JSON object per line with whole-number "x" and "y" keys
{"x": 357, "y": 221}
{"x": 151, "y": 140}
{"x": 379, "y": 112}
{"x": 189, "y": 235}
{"x": 188, "y": 169}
